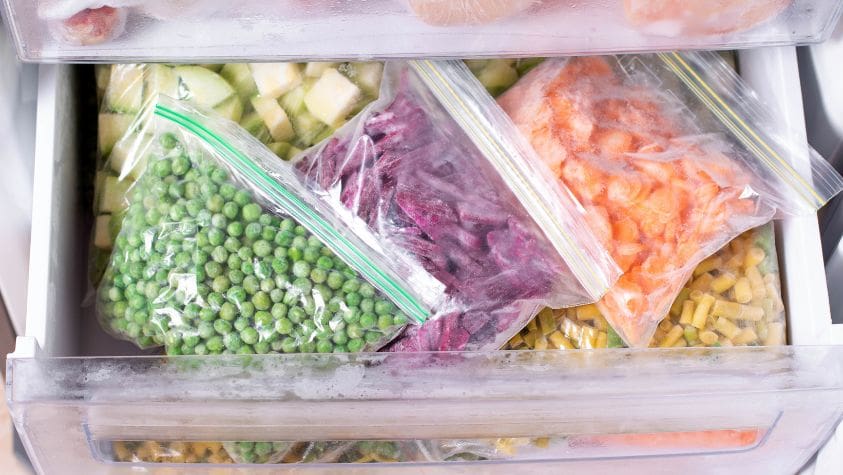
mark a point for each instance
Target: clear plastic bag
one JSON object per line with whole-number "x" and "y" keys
{"x": 258, "y": 452}
{"x": 281, "y": 120}
{"x": 700, "y": 17}
{"x": 149, "y": 451}
{"x": 742, "y": 277}
{"x": 672, "y": 156}
{"x": 437, "y": 171}
{"x": 223, "y": 250}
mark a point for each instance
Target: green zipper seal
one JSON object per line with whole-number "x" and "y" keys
{"x": 302, "y": 213}
{"x": 741, "y": 130}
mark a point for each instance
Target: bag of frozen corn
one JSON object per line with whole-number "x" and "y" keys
{"x": 733, "y": 298}
{"x": 672, "y": 157}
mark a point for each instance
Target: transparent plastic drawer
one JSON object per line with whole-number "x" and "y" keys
{"x": 77, "y": 395}
{"x": 214, "y": 30}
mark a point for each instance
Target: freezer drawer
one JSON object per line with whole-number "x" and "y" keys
{"x": 212, "y": 30}
{"x": 69, "y": 406}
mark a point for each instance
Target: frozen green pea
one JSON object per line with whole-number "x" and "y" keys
{"x": 242, "y": 198}
{"x": 296, "y": 314}
{"x": 241, "y": 324}
{"x": 353, "y": 299}
{"x": 207, "y": 330}
{"x": 262, "y": 248}
{"x": 221, "y": 284}
{"x": 276, "y": 294}
{"x": 324, "y": 346}
{"x": 252, "y": 231}
{"x": 289, "y": 345}
{"x": 373, "y": 337}
{"x": 354, "y": 330}
{"x": 367, "y": 305}
{"x": 368, "y": 320}
{"x": 385, "y": 322}
{"x": 247, "y": 309}
{"x": 262, "y": 347}
{"x": 261, "y": 300}
{"x": 355, "y": 345}
{"x": 251, "y": 284}
{"x": 251, "y": 212}
{"x": 222, "y": 327}
{"x": 228, "y": 311}
{"x": 235, "y": 229}
{"x": 301, "y": 269}
{"x": 232, "y": 341}
{"x": 335, "y": 280}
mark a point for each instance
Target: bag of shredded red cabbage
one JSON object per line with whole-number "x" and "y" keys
{"x": 440, "y": 175}
{"x": 673, "y": 157}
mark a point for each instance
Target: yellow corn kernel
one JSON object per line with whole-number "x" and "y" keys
{"x": 542, "y": 442}
{"x": 541, "y": 343}
{"x": 708, "y": 337}
{"x": 708, "y": 265}
{"x": 121, "y": 452}
{"x": 571, "y": 330}
{"x": 530, "y": 340}
{"x": 666, "y": 324}
{"x": 723, "y": 308}
{"x": 756, "y": 282}
{"x": 556, "y": 338}
{"x": 672, "y": 336}
{"x": 742, "y": 290}
{"x": 723, "y": 282}
{"x": 735, "y": 262}
{"x": 775, "y": 334}
{"x": 747, "y": 335}
{"x": 533, "y": 325}
{"x": 753, "y": 257}
{"x": 770, "y": 312}
{"x": 589, "y": 338}
{"x": 737, "y": 246}
{"x": 702, "y": 283}
{"x": 726, "y": 328}
{"x": 566, "y": 344}
{"x": 546, "y": 321}
{"x": 726, "y": 342}
{"x": 601, "y": 324}
{"x": 701, "y": 312}
{"x": 680, "y": 343}
{"x": 587, "y": 312}
{"x": 697, "y": 295}
{"x": 676, "y": 307}
{"x": 516, "y": 340}
{"x": 602, "y": 340}
{"x": 687, "y": 312}
{"x": 773, "y": 293}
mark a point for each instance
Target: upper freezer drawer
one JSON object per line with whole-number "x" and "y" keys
{"x": 215, "y": 30}
{"x": 599, "y": 409}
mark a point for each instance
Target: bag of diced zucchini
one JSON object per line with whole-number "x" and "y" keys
{"x": 733, "y": 298}
{"x": 673, "y": 156}
{"x": 223, "y": 250}
{"x": 439, "y": 174}
{"x": 266, "y": 99}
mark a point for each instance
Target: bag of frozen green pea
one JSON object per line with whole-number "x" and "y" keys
{"x": 221, "y": 250}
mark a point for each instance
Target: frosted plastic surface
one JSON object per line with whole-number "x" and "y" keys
{"x": 794, "y": 395}
{"x": 65, "y": 30}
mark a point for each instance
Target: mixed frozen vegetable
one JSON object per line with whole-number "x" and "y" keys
{"x": 733, "y": 298}
{"x": 201, "y": 267}
{"x": 429, "y": 194}
{"x": 665, "y": 183}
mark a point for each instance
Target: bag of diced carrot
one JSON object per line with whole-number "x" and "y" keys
{"x": 672, "y": 156}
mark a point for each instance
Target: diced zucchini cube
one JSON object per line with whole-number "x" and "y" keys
{"x": 315, "y": 69}
{"x": 368, "y": 77}
{"x": 204, "y": 86}
{"x": 240, "y": 77}
{"x": 332, "y": 97}
{"x": 102, "y": 232}
{"x": 111, "y": 127}
{"x": 113, "y": 198}
{"x": 125, "y": 89}
{"x": 275, "y": 79}
{"x": 273, "y": 115}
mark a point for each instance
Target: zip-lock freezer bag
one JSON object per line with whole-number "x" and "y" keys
{"x": 742, "y": 278}
{"x": 223, "y": 250}
{"x": 672, "y": 156}
{"x": 280, "y": 104}
{"x": 439, "y": 174}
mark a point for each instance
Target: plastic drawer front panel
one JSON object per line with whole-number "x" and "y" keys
{"x": 208, "y": 30}
{"x": 792, "y": 396}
